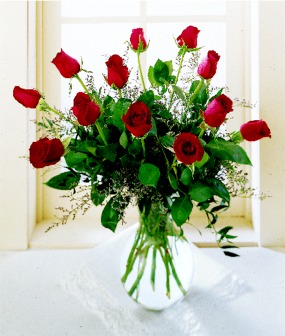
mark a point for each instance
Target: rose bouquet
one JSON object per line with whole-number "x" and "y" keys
{"x": 163, "y": 148}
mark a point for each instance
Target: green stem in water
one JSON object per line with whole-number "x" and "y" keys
{"x": 141, "y": 272}
{"x": 153, "y": 268}
{"x": 165, "y": 261}
{"x": 140, "y": 70}
{"x": 120, "y": 93}
{"x": 175, "y": 275}
{"x": 132, "y": 257}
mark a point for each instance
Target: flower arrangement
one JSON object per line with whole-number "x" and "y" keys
{"x": 165, "y": 144}
{"x": 134, "y": 145}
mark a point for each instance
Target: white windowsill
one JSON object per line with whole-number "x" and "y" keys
{"x": 84, "y": 233}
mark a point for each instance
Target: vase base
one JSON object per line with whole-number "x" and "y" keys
{"x": 163, "y": 291}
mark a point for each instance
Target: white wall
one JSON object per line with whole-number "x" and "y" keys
{"x": 15, "y": 173}
{"x": 272, "y": 109}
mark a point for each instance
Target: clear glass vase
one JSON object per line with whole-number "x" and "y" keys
{"x": 157, "y": 261}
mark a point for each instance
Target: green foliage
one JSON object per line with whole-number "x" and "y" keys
{"x": 110, "y": 216}
{"x": 118, "y": 168}
{"x": 181, "y": 210}
{"x": 228, "y": 150}
{"x": 64, "y": 181}
{"x": 149, "y": 174}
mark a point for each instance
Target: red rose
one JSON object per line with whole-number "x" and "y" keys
{"x": 188, "y": 148}
{"x": 118, "y": 73}
{"x": 66, "y": 65}
{"x": 137, "y": 39}
{"x": 85, "y": 110}
{"x": 255, "y": 130}
{"x": 188, "y": 37}
{"x": 138, "y": 119}
{"x": 208, "y": 67}
{"x": 216, "y": 112}
{"x": 45, "y": 152}
{"x": 27, "y": 97}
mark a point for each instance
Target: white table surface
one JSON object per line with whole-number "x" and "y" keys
{"x": 78, "y": 292}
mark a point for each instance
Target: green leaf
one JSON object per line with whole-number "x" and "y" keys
{"x": 151, "y": 77}
{"x": 186, "y": 176}
{"x": 173, "y": 181}
{"x": 149, "y": 174}
{"x": 220, "y": 189}
{"x": 153, "y": 131}
{"x": 64, "y": 181}
{"x": 181, "y": 209}
{"x": 161, "y": 72}
{"x": 120, "y": 109}
{"x": 225, "y": 230}
{"x": 76, "y": 160}
{"x": 135, "y": 146}
{"x": 167, "y": 140}
{"x": 200, "y": 192}
{"x": 66, "y": 141}
{"x": 123, "y": 140}
{"x": 96, "y": 197}
{"x": 204, "y": 160}
{"x": 110, "y": 216}
{"x": 108, "y": 152}
{"x": 108, "y": 103}
{"x": 179, "y": 93}
{"x": 228, "y": 150}
{"x": 217, "y": 94}
{"x": 147, "y": 97}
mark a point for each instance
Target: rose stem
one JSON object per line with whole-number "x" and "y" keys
{"x": 153, "y": 268}
{"x": 132, "y": 257}
{"x": 83, "y": 85}
{"x": 178, "y": 73}
{"x": 140, "y": 70}
{"x": 165, "y": 261}
{"x": 99, "y": 128}
{"x": 141, "y": 272}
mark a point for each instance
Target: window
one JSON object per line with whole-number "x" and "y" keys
{"x": 257, "y": 66}
{"x": 95, "y": 30}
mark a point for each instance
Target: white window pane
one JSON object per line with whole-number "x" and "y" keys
{"x": 88, "y": 42}
{"x": 173, "y": 7}
{"x": 75, "y": 8}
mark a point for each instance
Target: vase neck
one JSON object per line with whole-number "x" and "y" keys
{"x": 156, "y": 221}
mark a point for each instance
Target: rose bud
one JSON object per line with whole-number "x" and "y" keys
{"x": 118, "y": 73}
{"x": 138, "y": 119}
{"x": 137, "y": 40}
{"x": 188, "y": 37}
{"x": 27, "y": 97}
{"x": 208, "y": 67}
{"x": 255, "y": 130}
{"x": 216, "y": 112}
{"x": 46, "y": 152}
{"x": 85, "y": 110}
{"x": 188, "y": 148}
{"x": 66, "y": 65}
